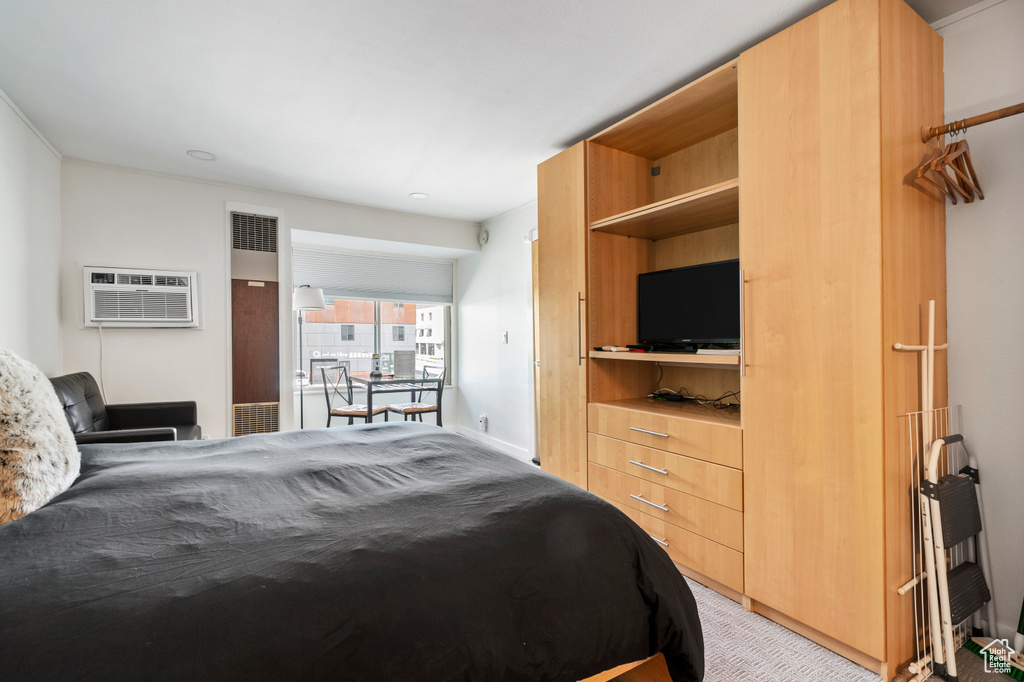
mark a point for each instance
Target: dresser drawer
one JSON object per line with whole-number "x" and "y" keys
{"x": 713, "y": 521}
{"x": 709, "y": 558}
{"x": 713, "y": 482}
{"x": 718, "y": 443}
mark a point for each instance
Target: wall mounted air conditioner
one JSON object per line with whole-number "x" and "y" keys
{"x": 133, "y": 297}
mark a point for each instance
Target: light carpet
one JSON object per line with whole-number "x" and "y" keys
{"x": 740, "y": 645}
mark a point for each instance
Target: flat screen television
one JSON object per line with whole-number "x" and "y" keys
{"x": 684, "y": 308}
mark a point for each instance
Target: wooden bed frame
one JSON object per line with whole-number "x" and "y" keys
{"x": 652, "y": 669}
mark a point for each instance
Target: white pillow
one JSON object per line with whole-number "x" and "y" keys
{"x": 38, "y": 457}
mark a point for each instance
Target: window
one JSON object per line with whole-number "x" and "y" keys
{"x": 367, "y": 293}
{"x": 351, "y": 331}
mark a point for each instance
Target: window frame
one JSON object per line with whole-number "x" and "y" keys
{"x": 421, "y": 348}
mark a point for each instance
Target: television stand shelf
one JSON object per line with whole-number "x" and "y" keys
{"x": 684, "y": 410}
{"x": 689, "y": 359}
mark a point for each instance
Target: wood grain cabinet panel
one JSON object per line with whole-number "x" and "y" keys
{"x": 715, "y": 560}
{"x": 830, "y": 274}
{"x": 707, "y": 519}
{"x": 712, "y": 442}
{"x": 719, "y": 484}
{"x": 561, "y": 291}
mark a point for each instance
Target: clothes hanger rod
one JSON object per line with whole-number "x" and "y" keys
{"x": 928, "y": 133}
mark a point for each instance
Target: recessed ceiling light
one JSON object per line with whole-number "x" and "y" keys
{"x": 419, "y": 195}
{"x": 201, "y": 155}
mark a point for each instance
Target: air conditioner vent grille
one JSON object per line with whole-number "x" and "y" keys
{"x": 255, "y": 418}
{"x": 253, "y": 232}
{"x": 137, "y": 280}
{"x": 170, "y": 281}
{"x": 153, "y": 306}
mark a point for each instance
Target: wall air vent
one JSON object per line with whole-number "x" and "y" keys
{"x": 251, "y": 232}
{"x": 255, "y": 418}
{"x": 132, "y": 297}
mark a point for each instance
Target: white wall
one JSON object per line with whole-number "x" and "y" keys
{"x": 985, "y": 265}
{"x": 495, "y": 295}
{"x": 30, "y": 239}
{"x": 119, "y": 217}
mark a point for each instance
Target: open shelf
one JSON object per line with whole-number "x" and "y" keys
{"x": 690, "y": 359}
{"x": 696, "y": 112}
{"x": 702, "y": 209}
{"x": 684, "y": 410}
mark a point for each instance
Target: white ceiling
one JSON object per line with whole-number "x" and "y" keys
{"x": 358, "y": 101}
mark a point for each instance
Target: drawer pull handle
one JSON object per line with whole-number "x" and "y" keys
{"x": 640, "y": 498}
{"x": 648, "y": 466}
{"x": 653, "y": 433}
{"x": 660, "y": 542}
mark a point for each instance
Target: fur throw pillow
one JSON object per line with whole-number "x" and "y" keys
{"x": 38, "y": 456}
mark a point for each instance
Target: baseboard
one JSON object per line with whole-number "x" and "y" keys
{"x": 507, "y": 448}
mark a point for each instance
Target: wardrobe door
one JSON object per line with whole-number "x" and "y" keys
{"x": 810, "y": 245}
{"x": 561, "y": 281}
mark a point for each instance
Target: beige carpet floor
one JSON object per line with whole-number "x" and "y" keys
{"x": 745, "y": 646}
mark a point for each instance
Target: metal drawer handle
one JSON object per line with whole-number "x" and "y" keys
{"x": 653, "y": 433}
{"x": 579, "y": 328}
{"x": 648, "y": 466}
{"x": 653, "y": 504}
{"x": 660, "y": 542}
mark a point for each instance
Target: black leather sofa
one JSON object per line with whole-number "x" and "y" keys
{"x": 92, "y": 421}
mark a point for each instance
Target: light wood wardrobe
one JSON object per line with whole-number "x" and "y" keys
{"x": 794, "y": 158}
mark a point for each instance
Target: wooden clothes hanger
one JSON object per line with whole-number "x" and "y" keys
{"x": 957, "y": 157}
{"x": 925, "y": 171}
{"x": 948, "y": 162}
{"x": 955, "y": 169}
{"x": 964, "y": 169}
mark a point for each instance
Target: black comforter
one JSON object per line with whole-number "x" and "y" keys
{"x": 386, "y": 552}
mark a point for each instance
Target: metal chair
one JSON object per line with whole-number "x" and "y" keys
{"x": 338, "y": 385}
{"x": 418, "y": 408}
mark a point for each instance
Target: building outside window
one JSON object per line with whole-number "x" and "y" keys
{"x": 345, "y": 332}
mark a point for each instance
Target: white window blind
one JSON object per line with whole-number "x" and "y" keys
{"x": 378, "y": 278}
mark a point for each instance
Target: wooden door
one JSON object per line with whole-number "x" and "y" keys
{"x": 810, "y": 246}
{"x": 255, "y": 362}
{"x": 561, "y": 329}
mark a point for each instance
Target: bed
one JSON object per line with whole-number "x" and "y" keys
{"x": 384, "y": 552}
